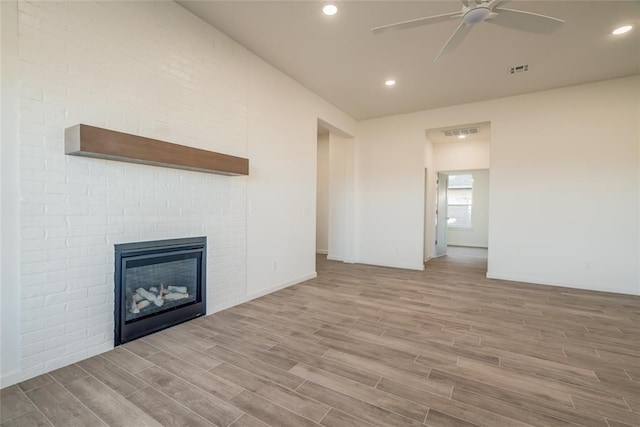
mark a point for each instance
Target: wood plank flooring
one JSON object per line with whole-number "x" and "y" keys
{"x": 366, "y": 346}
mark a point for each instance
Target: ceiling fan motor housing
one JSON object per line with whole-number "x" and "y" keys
{"x": 477, "y": 14}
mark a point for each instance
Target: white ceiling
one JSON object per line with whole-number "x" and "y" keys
{"x": 341, "y": 60}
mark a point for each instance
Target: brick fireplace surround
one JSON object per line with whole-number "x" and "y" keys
{"x": 76, "y": 69}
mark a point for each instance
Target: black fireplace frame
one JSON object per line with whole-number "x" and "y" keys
{"x": 126, "y": 331}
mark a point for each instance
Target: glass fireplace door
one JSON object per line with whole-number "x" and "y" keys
{"x": 158, "y": 284}
{"x": 154, "y": 284}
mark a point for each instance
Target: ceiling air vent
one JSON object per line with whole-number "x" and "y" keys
{"x": 461, "y": 131}
{"x": 519, "y": 69}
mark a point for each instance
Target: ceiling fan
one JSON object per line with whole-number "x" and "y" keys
{"x": 476, "y": 11}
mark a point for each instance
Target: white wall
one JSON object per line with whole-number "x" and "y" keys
{"x": 9, "y": 196}
{"x": 478, "y": 234}
{"x": 322, "y": 200}
{"x": 462, "y": 155}
{"x": 341, "y": 222}
{"x": 569, "y": 207}
{"x": 282, "y": 148}
{"x": 560, "y": 159}
{"x": 335, "y": 227}
{"x": 152, "y": 69}
{"x": 430, "y": 194}
{"x": 390, "y": 202}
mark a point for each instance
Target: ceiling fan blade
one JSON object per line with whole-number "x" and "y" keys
{"x": 416, "y": 22}
{"x": 525, "y": 21}
{"x": 454, "y": 41}
{"x": 496, "y": 3}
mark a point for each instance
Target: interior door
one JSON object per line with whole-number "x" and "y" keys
{"x": 441, "y": 215}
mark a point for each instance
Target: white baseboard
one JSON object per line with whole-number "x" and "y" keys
{"x": 333, "y": 258}
{"x": 556, "y": 283}
{"x": 225, "y": 306}
{"x": 322, "y": 251}
{"x": 15, "y": 377}
{"x": 281, "y": 286}
{"x": 419, "y": 267}
{"x": 532, "y": 281}
{"x": 12, "y": 378}
{"x": 264, "y": 292}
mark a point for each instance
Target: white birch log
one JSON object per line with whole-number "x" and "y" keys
{"x": 142, "y": 304}
{"x": 178, "y": 289}
{"x": 134, "y": 308}
{"x": 153, "y": 289}
{"x": 150, "y": 296}
{"x": 136, "y": 298}
{"x": 172, "y": 296}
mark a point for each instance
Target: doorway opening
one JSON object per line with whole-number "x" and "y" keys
{"x": 457, "y": 191}
{"x": 462, "y": 211}
{"x": 322, "y": 193}
{"x": 335, "y": 194}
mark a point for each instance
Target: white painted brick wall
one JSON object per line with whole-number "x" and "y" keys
{"x": 146, "y": 68}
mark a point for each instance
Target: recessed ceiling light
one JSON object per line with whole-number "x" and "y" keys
{"x": 390, "y": 82}
{"x": 330, "y": 9}
{"x": 462, "y": 136}
{"x": 622, "y": 30}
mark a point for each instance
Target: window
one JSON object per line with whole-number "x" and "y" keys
{"x": 459, "y": 199}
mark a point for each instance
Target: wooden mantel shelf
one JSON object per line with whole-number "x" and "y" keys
{"x": 90, "y": 141}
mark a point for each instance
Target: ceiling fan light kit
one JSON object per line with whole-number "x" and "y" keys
{"x": 474, "y": 12}
{"x": 476, "y": 15}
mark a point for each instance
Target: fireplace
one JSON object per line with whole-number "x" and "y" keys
{"x": 158, "y": 284}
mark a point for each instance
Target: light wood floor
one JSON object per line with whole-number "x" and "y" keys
{"x": 361, "y": 346}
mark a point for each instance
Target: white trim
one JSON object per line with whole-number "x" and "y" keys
{"x": 225, "y": 306}
{"x": 19, "y": 376}
{"x": 281, "y": 286}
{"x": 419, "y": 267}
{"x": 264, "y": 292}
{"x": 345, "y": 260}
{"x": 10, "y": 282}
{"x": 322, "y": 251}
{"x": 537, "y": 281}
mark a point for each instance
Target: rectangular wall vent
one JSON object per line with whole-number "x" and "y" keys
{"x": 519, "y": 69}
{"x": 461, "y": 131}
